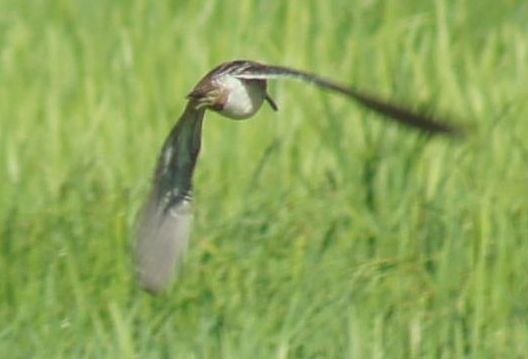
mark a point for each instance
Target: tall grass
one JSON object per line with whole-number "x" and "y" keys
{"x": 321, "y": 230}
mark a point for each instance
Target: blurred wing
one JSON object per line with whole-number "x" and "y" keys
{"x": 164, "y": 224}
{"x": 402, "y": 115}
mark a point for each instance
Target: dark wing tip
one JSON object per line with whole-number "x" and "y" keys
{"x": 411, "y": 118}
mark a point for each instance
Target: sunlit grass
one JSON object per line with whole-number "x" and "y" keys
{"x": 320, "y": 230}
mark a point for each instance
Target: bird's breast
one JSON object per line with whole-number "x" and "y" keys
{"x": 244, "y": 97}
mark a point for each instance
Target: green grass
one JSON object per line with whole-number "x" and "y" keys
{"x": 321, "y": 231}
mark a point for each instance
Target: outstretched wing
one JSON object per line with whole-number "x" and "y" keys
{"x": 164, "y": 225}
{"x": 253, "y": 70}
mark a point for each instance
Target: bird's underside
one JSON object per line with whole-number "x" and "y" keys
{"x": 236, "y": 90}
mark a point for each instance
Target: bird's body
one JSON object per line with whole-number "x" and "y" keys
{"x": 243, "y": 98}
{"x": 237, "y": 91}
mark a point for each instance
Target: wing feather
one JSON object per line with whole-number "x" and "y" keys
{"x": 398, "y": 113}
{"x": 164, "y": 225}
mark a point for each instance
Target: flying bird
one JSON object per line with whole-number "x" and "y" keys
{"x": 236, "y": 90}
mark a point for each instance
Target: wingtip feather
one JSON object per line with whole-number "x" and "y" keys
{"x": 162, "y": 240}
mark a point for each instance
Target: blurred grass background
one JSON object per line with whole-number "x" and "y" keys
{"x": 321, "y": 231}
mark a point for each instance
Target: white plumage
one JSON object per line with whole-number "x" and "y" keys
{"x": 244, "y": 98}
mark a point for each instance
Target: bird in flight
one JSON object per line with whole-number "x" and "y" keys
{"x": 236, "y": 90}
